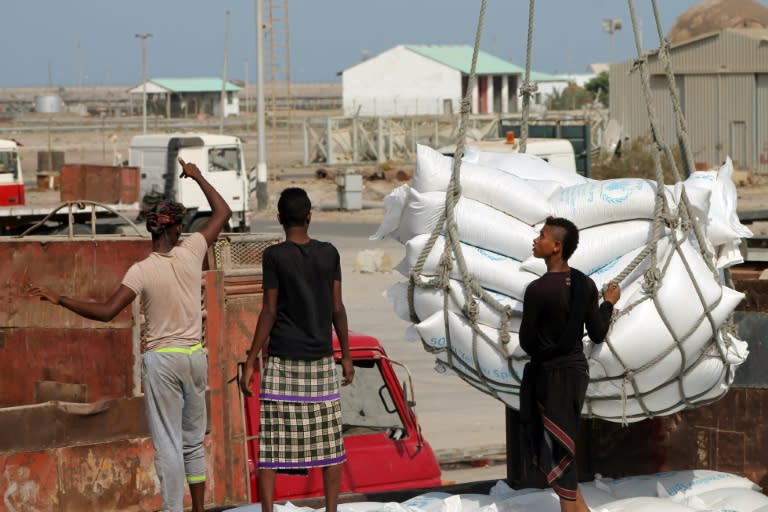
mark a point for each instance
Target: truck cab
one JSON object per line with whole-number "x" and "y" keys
{"x": 219, "y": 157}
{"x": 383, "y": 441}
{"x": 11, "y": 179}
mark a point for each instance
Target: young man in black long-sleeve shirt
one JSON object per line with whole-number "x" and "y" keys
{"x": 556, "y": 308}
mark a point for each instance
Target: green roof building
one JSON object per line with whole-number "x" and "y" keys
{"x": 187, "y": 97}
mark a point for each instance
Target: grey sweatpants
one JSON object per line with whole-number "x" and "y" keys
{"x": 174, "y": 395}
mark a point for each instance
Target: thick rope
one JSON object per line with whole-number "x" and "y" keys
{"x": 667, "y": 223}
{"x": 681, "y": 123}
{"x": 528, "y": 88}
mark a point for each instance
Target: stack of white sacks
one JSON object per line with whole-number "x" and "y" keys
{"x": 677, "y": 491}
{"x": 667, "y": 352}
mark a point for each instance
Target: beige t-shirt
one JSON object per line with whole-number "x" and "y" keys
{"x": 169, "y": 286}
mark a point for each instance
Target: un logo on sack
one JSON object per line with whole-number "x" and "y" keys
{"x": 619, "y": 191}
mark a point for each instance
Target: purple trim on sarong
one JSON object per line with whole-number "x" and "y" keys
{"x": 276, "y": 397}
{"x": 305, "y": 464}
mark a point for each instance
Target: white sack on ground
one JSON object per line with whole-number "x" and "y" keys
{"x": 678, "y": 491}
{"x": 502, "y": 190}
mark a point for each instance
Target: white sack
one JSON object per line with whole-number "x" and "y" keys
{"x": 508, "y": 193}
{"x": 601, "y": 245}
{"x": 491, "y": 270}
{"x": 723, "y": 223}
{"x": 736, "y": 498}
{"x": 478, "y": 224}
{"x": 428, "y": 301}
{"x": 685, "y": 319}
{"x": 394, "y": 202}
{"x": 499, "y": 364}
{"x": 690, "y": 482}
{"x": 708, "y": 379}
{"x": 530, "y": 167}
{"x": 601, "y": 202}
{"x": 644, "y": 505}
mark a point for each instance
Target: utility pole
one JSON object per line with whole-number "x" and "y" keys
{"x": 144, "y": 38}
{"x": 224, "y": 76}
{"x": 262, "y": 198}
{"x": 612, "y": 26}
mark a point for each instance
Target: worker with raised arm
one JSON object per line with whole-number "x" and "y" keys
{"x": 175, "y": 362}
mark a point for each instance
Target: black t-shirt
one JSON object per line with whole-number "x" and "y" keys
{"x": 303, "y": 275}
{"x": 546, "y": 309}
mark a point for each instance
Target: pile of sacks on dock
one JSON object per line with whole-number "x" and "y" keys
{"x": 677, "y": 491}
{"x": 668, "y": 348}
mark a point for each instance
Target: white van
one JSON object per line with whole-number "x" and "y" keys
{"x": 219, "y": 157}
{"x": 558, "y": 152}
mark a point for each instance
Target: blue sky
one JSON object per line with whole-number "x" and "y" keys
{"x": 92, "y": 42}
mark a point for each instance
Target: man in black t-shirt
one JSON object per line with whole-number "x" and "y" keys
{"x": 300, "y": 410}
{"x": 556, "y": 308}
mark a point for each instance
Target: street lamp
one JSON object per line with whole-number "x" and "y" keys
{"x": 144, "y": 38}
{"x": 612, "y": 26}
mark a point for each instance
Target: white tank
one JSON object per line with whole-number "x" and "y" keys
{"x": 48, "y": 104}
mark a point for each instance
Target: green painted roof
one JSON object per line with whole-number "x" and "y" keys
{"x": 459, "y": 57}
{"x": 193, "y": 84}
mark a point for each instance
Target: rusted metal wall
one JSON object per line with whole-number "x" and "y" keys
{"x": 97, "y": 455}
{"x": 100, "y": 183}
{"x": 233, "y": 303}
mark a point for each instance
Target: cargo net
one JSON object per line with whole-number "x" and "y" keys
{"x": 237, "y": 251}
{"x": 671, "y": 344}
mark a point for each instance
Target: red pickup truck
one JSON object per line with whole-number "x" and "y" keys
{"x": 385, "y": 448}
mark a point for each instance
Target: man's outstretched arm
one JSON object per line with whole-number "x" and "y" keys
{"x": 102, "y": 311}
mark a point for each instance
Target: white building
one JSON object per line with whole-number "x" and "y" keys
{"x": 429, "y": 80}
{"x": 186, "y": 97}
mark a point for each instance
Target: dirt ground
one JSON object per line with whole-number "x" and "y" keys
{"x": 105, "y": 146}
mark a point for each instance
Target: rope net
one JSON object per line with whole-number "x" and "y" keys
{"x": 670, "y": 345}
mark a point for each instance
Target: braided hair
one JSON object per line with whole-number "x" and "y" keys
{"x": 164, "y": 214}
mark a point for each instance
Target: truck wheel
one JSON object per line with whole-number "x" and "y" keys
{"x": 199, "y": 222}
{"x": 196, "y": 224}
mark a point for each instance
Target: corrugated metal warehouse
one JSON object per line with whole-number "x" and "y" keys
{"x": 722, "y": 81}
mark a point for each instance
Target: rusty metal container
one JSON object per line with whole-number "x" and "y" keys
{"x": 72, "y": 420}
{"x": 100, "y": 183}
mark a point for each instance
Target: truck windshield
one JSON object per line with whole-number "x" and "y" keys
{"x": 367, "y": 404}
{"x": 8, "y": 163}
{"x": 224, "y": 159}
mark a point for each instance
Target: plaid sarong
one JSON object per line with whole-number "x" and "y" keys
{"x": 300, "y": 420}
